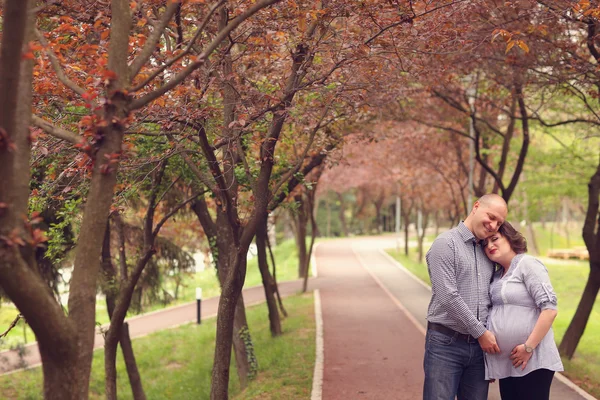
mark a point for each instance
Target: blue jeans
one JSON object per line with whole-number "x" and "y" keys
{"x": 453, "y": 368}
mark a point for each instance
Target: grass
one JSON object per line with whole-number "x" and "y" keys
{"x": 177, "y": 363}
{"x": 557, "y": 236}
{"x": 568, "y": 279}
{"x": 286, "y": 256}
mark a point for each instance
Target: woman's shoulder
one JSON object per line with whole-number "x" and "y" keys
{"x": 529, "y": 263}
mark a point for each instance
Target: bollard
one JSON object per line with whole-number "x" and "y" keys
{"x": 198, "y": 305}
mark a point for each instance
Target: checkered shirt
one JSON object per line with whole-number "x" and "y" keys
{"x": 460, "y": 276}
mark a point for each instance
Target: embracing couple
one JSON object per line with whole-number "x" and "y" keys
{"x": 491, "y": 312}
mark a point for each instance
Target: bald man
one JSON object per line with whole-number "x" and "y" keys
{"x": 460, "y": 276}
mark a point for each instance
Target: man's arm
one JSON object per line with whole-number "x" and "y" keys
{"x": 442, "y": 272}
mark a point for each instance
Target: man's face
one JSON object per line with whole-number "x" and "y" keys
{"x": 487, "y": 219}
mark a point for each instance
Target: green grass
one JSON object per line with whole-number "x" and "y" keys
{"x": 554, "y": 236}
{"x": 568, "y": 279}
{"x": 286, "y": 256}
{"x": 177, "y": 363}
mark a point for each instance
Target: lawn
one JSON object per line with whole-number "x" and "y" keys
{"x": 285, "y": 253}
{"x": 568, "y": 279}
{"x": 177, "y": 363}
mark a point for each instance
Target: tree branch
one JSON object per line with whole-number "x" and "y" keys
{"x": 151, "y": 42}
{"x": 203, "y": 57}
{"x": 174, "y": 210}
{"x": 56, "y": 65}
{"x": 12, "y": 325}
{"x": 185, "y": 52}
{"x": 55, "y": 131}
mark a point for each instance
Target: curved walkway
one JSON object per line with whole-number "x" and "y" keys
{"x": 373, "y": 313}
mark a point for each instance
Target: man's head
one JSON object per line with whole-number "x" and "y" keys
{"x": 488, "y": 213}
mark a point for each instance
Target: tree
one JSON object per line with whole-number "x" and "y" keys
{"x": 115, "y": 90}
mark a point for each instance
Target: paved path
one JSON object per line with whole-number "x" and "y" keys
{"x": 155, "y": 321}
{"x": 373, "y": 320}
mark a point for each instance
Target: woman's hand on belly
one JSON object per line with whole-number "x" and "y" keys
{"x": 520, "y": 357}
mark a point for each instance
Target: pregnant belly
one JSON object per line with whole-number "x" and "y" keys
{"x": 511, "y": 326}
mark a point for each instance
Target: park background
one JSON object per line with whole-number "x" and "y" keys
{"x": 152, "y": 148}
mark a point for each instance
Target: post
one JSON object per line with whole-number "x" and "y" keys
{"x": 398, "y": 221}
{"x": 198, "y": 305}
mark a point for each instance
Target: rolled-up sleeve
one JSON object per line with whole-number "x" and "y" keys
{"x": 537, "y": 281}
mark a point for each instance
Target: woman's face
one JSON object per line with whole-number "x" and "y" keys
{"x": 498, "y": 249}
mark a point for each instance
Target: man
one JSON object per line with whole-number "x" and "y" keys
{"x": 456, "y": 329}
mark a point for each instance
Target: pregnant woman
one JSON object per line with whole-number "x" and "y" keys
{"x": 523, "y": 309}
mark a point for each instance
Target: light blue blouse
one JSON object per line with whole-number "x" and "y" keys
{"x": 518, "y": 297}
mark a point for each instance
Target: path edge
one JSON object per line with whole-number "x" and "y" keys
{"x": 317, "y": 385}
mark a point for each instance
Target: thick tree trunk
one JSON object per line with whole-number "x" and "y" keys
{"x": 225, "y": 316}
{"x": 82, "y": 296}
{"x": 57, "y": 336}
{"x": 576, "y": 328}
{"x": 591, "y": 237}
{"x": 267, "y": 280}
{"x": 245, "y": 357}
{"x": 231, "y": 271}
{"x": 62, "y": 377}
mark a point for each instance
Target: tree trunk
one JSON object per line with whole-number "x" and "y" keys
{"x": 82, "y": 296}
{"x": 135, "y": 379}
{"x": 301, "y": 220}
{"x": 62, "y": 377}
{"x": 576, "y": 328}
{"x": 231, "y": 271}
{"x": 267, "y": 279}
{"x": 421, "y": 235}
{"x": 245, "y": 357}
{"x": 328, "y": 206}
{"x": 313, "y": 232}
{"x": 406, "y": 225}
{"x": 591, "y": 237}
{"x": 57, "y": 336}
{"x": 343, "y": 215}
{"x": 225, "y": 316}
{"x": 534, "y": 245}
{"x": 110, "y": 288}
{"x": 274, "y": 275}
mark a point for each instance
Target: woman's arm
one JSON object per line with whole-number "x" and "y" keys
{"x": 537, "y": 281}
{"x": 519, "y": 356}
{"x": 541, "y": 328}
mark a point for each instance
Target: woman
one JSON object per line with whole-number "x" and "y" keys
{"x": 523, "y": 309}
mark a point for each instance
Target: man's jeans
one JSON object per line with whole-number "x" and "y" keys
{"x": 453, "y": 367}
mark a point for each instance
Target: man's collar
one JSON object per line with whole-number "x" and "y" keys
{"x": 465, "y": 233}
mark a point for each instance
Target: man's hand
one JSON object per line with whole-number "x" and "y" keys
{"x": 488, "y": 344}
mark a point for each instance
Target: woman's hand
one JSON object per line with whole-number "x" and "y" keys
{"x": 519, "y": 356}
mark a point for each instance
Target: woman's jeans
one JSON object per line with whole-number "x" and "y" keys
{"x": 453, "y": 367}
